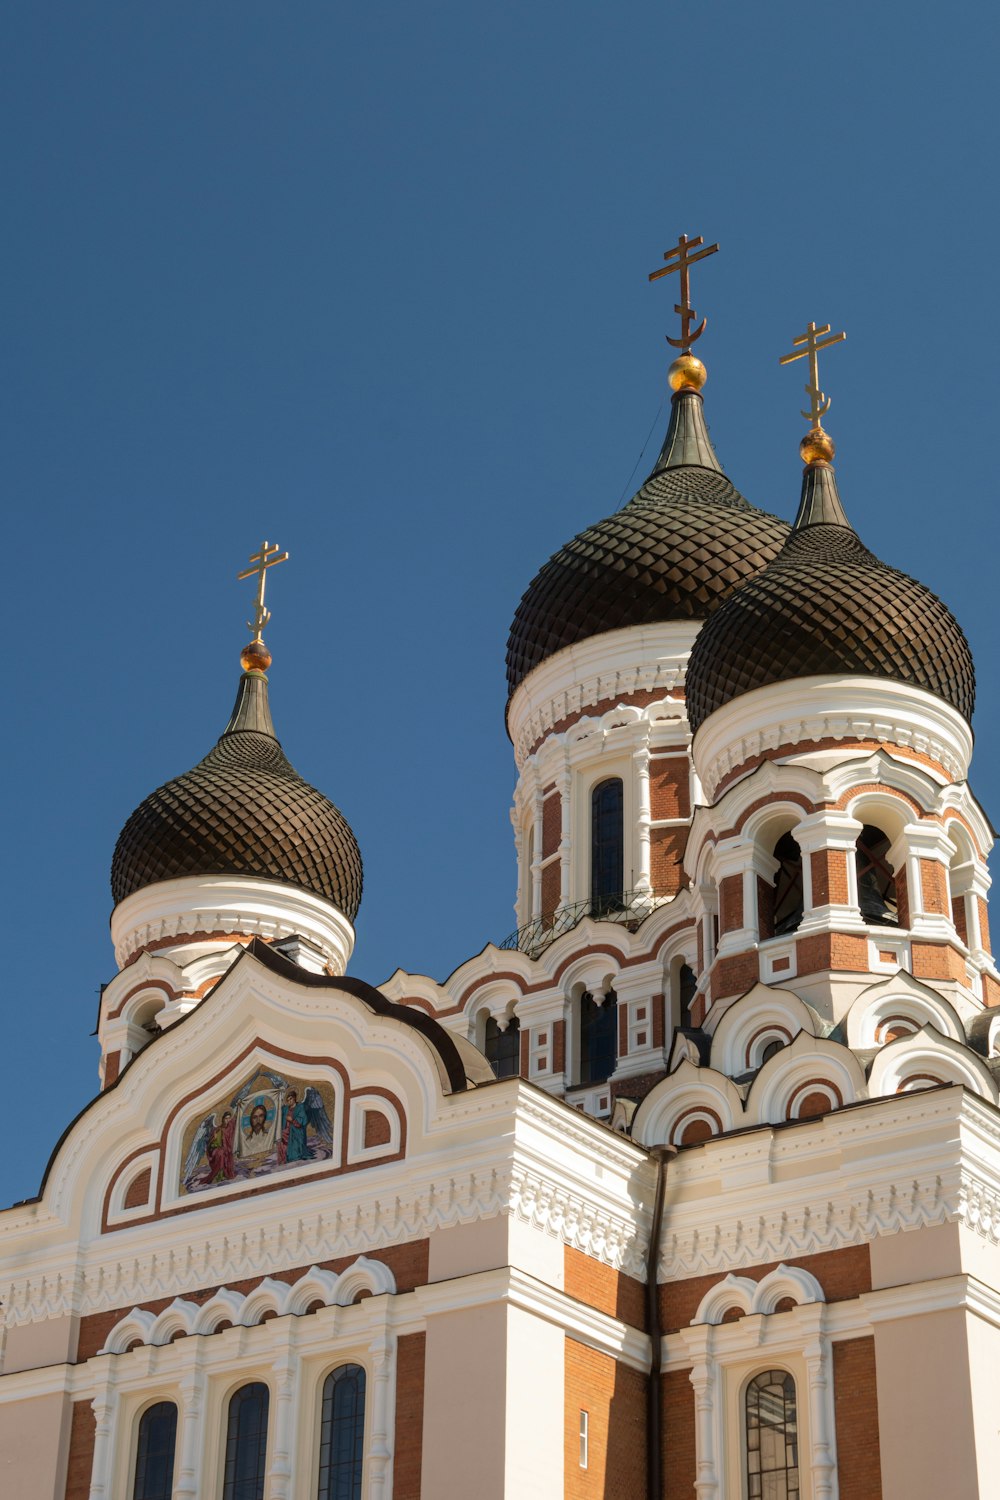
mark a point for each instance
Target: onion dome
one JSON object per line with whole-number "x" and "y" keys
{"x": 243, "y": 810}
{"x": 674, "y": 552}
{"x": 826, "y": 606}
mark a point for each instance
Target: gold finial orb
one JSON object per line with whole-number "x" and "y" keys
{"x": 817, "y": 447}
{"x": 687, "y": 373}
{"x": 255, "y": 657}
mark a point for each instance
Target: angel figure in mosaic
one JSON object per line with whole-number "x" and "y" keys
{"x": 298, "y": 1117}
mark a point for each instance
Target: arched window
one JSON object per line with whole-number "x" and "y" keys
{"x": 342, "y": 1436}
{"x": 876, "y": 882}
{"x": 503, "y": 1048}
{"x": 607, "y": 847}
{"x": 598, "y": 1037}
{"x": 246, "y": 1443}
{"x": 154, "y": 1459}
{"x": 772, "y": 1453}
{"x": 787, "y": 885}
{"x": 688, "y": 989}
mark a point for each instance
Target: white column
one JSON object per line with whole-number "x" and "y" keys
{"x": 643, "y": 883}
{"x": 187, "y": 1486}
{"x": 564, "y": 784}
{"x": 536, "y": 857}
{"x": 105, "y": 1415}
{"x": 822, "y": 1421}
{"x": 704, "y": 1379}
{"x": 382, "y": 1350}
{"x": 970, "y": 884}
{"x": 282, "y": 1466}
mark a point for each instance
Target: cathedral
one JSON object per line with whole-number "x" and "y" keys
{"x": 688, "y": 1190}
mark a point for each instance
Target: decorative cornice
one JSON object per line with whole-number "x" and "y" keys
{"x": 616, "y": 664}
{"x": 817, "y": 709}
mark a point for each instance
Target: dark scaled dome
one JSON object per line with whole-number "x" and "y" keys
{"x": 826, "y": 606}
{"x": 243, "y": 810}
{"x": 672, "y": 553}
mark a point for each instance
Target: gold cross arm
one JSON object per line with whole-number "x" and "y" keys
{"x": 268, "y": 557}
{"x": 811, "y": 342}
{"x": 679, "y": 258}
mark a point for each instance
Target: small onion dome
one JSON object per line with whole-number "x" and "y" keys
{"x": 826, "y": 607}
{"x": 672, "y": 553}
{"x": 243, "y": 810}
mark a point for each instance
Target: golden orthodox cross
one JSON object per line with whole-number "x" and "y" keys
{"x": 813, "y": 341}
{"x": 268, "y": 557}
{"x": 683, "y": 260}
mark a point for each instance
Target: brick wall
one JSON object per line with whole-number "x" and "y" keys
{"x": 406, "y": 1464}
{"x": 551, "y": 887}
{"x": 604, "y": 1288}
{"x": 81, "y": 1452}
{"x": 732, "y": 976}
{"x": 670, "y": 786}
{"x": 614, "y": 1398}
{"x": 137, "y": 1192}
{"x": 828, "y": 868}
{"x": 832, "y": 950}
{"x": 855, "y": 1402}
{"x": 731, "y": 903}
{"x": 934, "y": 884}
{"x": 666, "y": 850}
{"x": 936, "y": 961}
{"x": 551, "y": 823}
{"x": 679, "y": 1461}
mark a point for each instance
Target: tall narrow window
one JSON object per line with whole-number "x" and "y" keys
{"x": 607, "y": 847}
{"x": 688, "y": 987}
{"x": 503, "y": 1048}
{"x": 598, "y": 1037}
{"x": 154, "y": 1459}
{"x": 342, "y": 1436}
{"x": 246, "y": 1443}
{"x": 876, "y": 882}
{"x": 787, "y": 885}
{"x": 772, "y": 1457}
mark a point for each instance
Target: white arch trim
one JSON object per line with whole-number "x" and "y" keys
{"x": 904, "y": 997}
{"x": 758, "y": 1296}
{"x": 928, "y": 1057}
{"x": 278, "y": 1297}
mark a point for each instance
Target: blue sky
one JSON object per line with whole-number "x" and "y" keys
{"x": 370, "y": 280}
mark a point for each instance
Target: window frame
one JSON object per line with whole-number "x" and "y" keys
{"x": 248, "y": 1378}
{"x": 324, "y": 1380}
{"x": 157, "y": 1398}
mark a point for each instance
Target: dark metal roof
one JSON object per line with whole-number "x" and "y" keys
{"x": 673, "y": 553}
{"x": 243, "y": 810}
{"x": 826, "y": 606}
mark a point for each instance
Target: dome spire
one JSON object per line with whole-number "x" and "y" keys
{"x": 255, "y": 656}
{"x": 820, "y": 502}
{"x": 687, "y": 441}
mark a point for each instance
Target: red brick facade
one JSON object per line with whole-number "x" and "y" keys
{"x": 614, "y": 1398}
{"x": 856, "y": 1410}
{"x": 81, "y": 1452}
{"x": 408, "y": 1458}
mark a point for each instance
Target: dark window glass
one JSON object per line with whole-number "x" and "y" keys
{"x": 503, "y": 1048}
{"x": 607, "y": 847}
{"x": 772, "y": 1456}
{"x": 598, "y": 1037}
{"x": 876, "y": 882}
{"x": 246, "y": 1443}
{"x": 770, "y": 1050}
{"x": 154, "y": 1460}
{"x": 688, "y": 989}
{"x": 787, "y": 885}
{"x": 342, "y": 1436}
